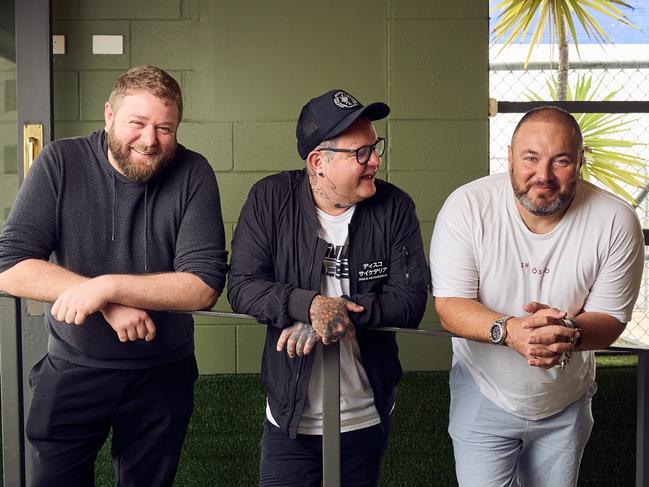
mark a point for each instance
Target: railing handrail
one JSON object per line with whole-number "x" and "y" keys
{"x": 416, "y": 331}
{"x": 331, "y": 396}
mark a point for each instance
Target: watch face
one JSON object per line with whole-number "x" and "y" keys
{"x": 496, "y": 333}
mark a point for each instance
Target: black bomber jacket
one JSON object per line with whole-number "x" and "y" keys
{"x": 275, "y": 273}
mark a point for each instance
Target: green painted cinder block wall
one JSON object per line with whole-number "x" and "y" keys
{"x": 247, "y": 66}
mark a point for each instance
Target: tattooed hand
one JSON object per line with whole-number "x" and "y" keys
{"x": 299, "y": 339}
{"x": 329, "y": 317}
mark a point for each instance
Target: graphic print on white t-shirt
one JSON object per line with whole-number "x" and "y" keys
{"x": 335, "y": 262}
{"x": 357, "y": 408}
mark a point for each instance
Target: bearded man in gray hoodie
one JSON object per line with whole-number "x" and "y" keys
{"x": 115, "y": 231}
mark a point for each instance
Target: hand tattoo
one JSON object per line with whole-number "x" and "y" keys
{"x": 300, "y": 340}
{"x": 329, "y": 318}
{"x": 306, "y": 336}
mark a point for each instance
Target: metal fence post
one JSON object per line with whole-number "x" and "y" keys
{"x": 331, "y": 415}
{"x": 13, "y": 446}
{"x": 642, "y": 431}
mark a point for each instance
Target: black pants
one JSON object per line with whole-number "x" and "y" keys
{"x": 75, "y": 407}
{"x": 298, "y": 463}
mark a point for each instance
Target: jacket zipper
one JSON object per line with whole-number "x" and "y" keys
{"x": 294, "y": 396}
{"x": 351, "y": 262}
{"x": 315, "y": 251}
{"x": 299, "y": 369}
{"x": 404, "y": 252}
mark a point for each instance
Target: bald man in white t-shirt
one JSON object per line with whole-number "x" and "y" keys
{"x": 534, "y": 271}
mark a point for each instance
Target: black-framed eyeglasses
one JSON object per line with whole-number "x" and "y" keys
{"x": 363, "y": 154}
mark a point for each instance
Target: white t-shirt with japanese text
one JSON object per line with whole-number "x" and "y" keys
{"x": 357, "y": 408}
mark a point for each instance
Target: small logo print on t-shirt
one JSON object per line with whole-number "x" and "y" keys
{"x": 373, "y": 270}
{"x": 534, "y": 269}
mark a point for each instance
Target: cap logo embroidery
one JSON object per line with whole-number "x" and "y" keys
{"x": 343, "y": 99}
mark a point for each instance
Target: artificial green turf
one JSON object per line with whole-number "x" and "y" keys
{"x": 222, "y": 445}
{"x": 616, "y": 360}
{"x": 609, "y": 458}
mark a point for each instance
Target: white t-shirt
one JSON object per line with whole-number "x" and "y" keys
{"x": 357, "y": 408}
{"x": 591, "y": 261}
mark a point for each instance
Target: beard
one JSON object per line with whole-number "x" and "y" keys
{"x": 139, "y": 172}
{"x": 546, "y": 207}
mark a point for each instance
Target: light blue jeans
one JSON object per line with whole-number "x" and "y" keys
{"x": 494, "y": 448}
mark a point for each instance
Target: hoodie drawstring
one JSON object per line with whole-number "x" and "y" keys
{"x": 112, "y": 235}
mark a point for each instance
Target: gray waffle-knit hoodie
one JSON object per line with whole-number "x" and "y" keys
{"x": 76, "y": 210}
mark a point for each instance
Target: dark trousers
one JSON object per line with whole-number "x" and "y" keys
{"x": 298, "y": 463}
{"x": 75, "y": 407}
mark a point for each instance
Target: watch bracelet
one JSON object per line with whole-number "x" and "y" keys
{"x": 573, "y": 325}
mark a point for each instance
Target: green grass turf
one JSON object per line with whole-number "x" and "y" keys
{"x": 616, "y": 360}
{"x": 222, "y": 444}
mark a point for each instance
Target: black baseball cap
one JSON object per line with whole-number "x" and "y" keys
{"x": 330, "y": 115}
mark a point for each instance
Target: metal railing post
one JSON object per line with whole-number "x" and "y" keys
{"x": 331, "y": 415}
{"x": 642, "y": 428}
{"x": 11, "y": 366}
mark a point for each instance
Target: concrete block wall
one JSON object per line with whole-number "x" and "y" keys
{"x": 247, "y": 67}
{"x": 437, "y": 88}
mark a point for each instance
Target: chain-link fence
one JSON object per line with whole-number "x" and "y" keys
{"x": 631, "y": 83}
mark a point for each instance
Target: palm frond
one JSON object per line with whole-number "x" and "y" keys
{"x": 518, "y": 17}
{"x": 610, "y": 182}
{"x": 603, "y": 159}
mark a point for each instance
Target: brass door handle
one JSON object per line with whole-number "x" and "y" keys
{"x": 33, "y": 144}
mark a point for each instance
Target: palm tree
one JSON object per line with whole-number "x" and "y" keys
{"x": 519, "y": 16}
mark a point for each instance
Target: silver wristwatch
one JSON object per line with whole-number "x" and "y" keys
{"x": 498, "y": 331}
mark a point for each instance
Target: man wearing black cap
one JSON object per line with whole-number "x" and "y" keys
{"x": 319, "y": 255}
